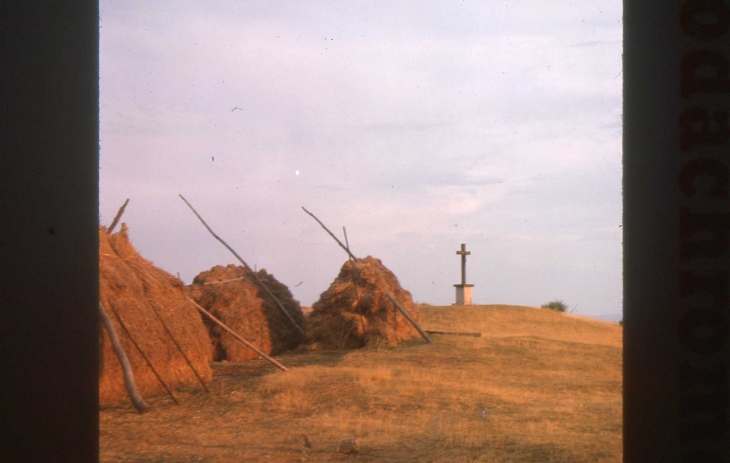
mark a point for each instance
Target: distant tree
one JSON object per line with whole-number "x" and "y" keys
{"x": 558, "y": 306}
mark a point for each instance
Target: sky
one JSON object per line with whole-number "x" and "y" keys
{"x": 417, "y": 125}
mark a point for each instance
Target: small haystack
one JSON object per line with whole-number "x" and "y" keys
{"x": 132, "y": 286}
{"x": 356, "y": 312}
{"x": 232, "y": 295}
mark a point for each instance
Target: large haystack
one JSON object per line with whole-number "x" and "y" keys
{"x": 131, "y": 286}
{"x": 356, "y": 312}
{"x": 248, "y": 310}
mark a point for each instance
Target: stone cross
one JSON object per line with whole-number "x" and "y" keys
{"x": 463, "y": 254}
{"x": 463, "y": 290}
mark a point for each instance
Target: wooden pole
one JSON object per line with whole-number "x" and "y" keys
{"x": 347, "y": 243}
{"x": 456, "y": 333}
{"x": 129, "y": 335}
{"x": 256, "y": 277}
{"x": 235, "y": 335}
{"x": 129, "y": 383}
{"x": 195, "y": 372}
{"x": 397, "y": 306}
{"x": 408, "y": 317}
{"x": 347, "y": 250}
{"x": 117, "y": 217}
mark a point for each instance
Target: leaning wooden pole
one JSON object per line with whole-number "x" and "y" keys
{"x": 347, "y": 243}
{"x": 408, "y": 317}
{"x": 139, "y": 349}
{"x": 347, "y": 250}
{"x": 129, "y": 383}
{"x": 190, "y": 364}
{"x": 392, "y": 299}
{"x": 117, "y": 217}
{"x": 235, "y": 335}
{"x": 256, "y": 277}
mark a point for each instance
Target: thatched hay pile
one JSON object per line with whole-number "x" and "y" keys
{"x": 132, "y": 286}
{"x": 355, "y": 311}
{"x": 248, "y": 310}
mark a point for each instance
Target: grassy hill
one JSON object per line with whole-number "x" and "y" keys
{"x": 537, "y": 386}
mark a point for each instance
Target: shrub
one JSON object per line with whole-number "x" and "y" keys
{"x": 559, "y": 306}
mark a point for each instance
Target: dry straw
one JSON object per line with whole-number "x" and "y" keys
{"x": 390, "y": 297}
{"x": 135, "y": 289}
{"x": 356, "y": 311}
{"x": 240, "y": 303}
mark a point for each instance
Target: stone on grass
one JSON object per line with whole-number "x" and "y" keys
{"x": 348, "y": 446}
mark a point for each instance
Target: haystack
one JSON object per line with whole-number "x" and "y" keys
{"x": 233, "y": 296}
{"x": 132, "y": 286}
{"x": 356, "y": 312}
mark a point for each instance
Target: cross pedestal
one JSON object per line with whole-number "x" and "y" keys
{"x": 463, "y": 290}
{"x": 463, "y": 294}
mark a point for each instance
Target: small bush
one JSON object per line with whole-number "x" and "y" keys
{"x": 559, "y": 306}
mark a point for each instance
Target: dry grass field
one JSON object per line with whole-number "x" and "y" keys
{"x": 538, "y": 386}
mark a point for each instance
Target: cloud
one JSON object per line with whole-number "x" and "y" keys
{"x": 402, "y": 128}
{"x": 461, "y": 179}
{"x": 416, "y": 125}
{"x": 595, "y": 43}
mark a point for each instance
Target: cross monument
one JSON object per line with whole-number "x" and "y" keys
{"x": 463, "y": 290}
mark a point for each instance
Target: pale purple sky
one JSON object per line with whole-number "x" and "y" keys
{"x": 418, "y": 125}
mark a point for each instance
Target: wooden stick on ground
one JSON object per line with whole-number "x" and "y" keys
{"x": 195, "y": 372}
{"x": 256, "y": 277}
{"x": 117, "y": 217}
{"x": 149, "y": 364}
{"x": 129, "y": 383}
{"x": 456, "y": 333}
{"x": 235, "y": 335}
{"x": 398, "y": 306}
